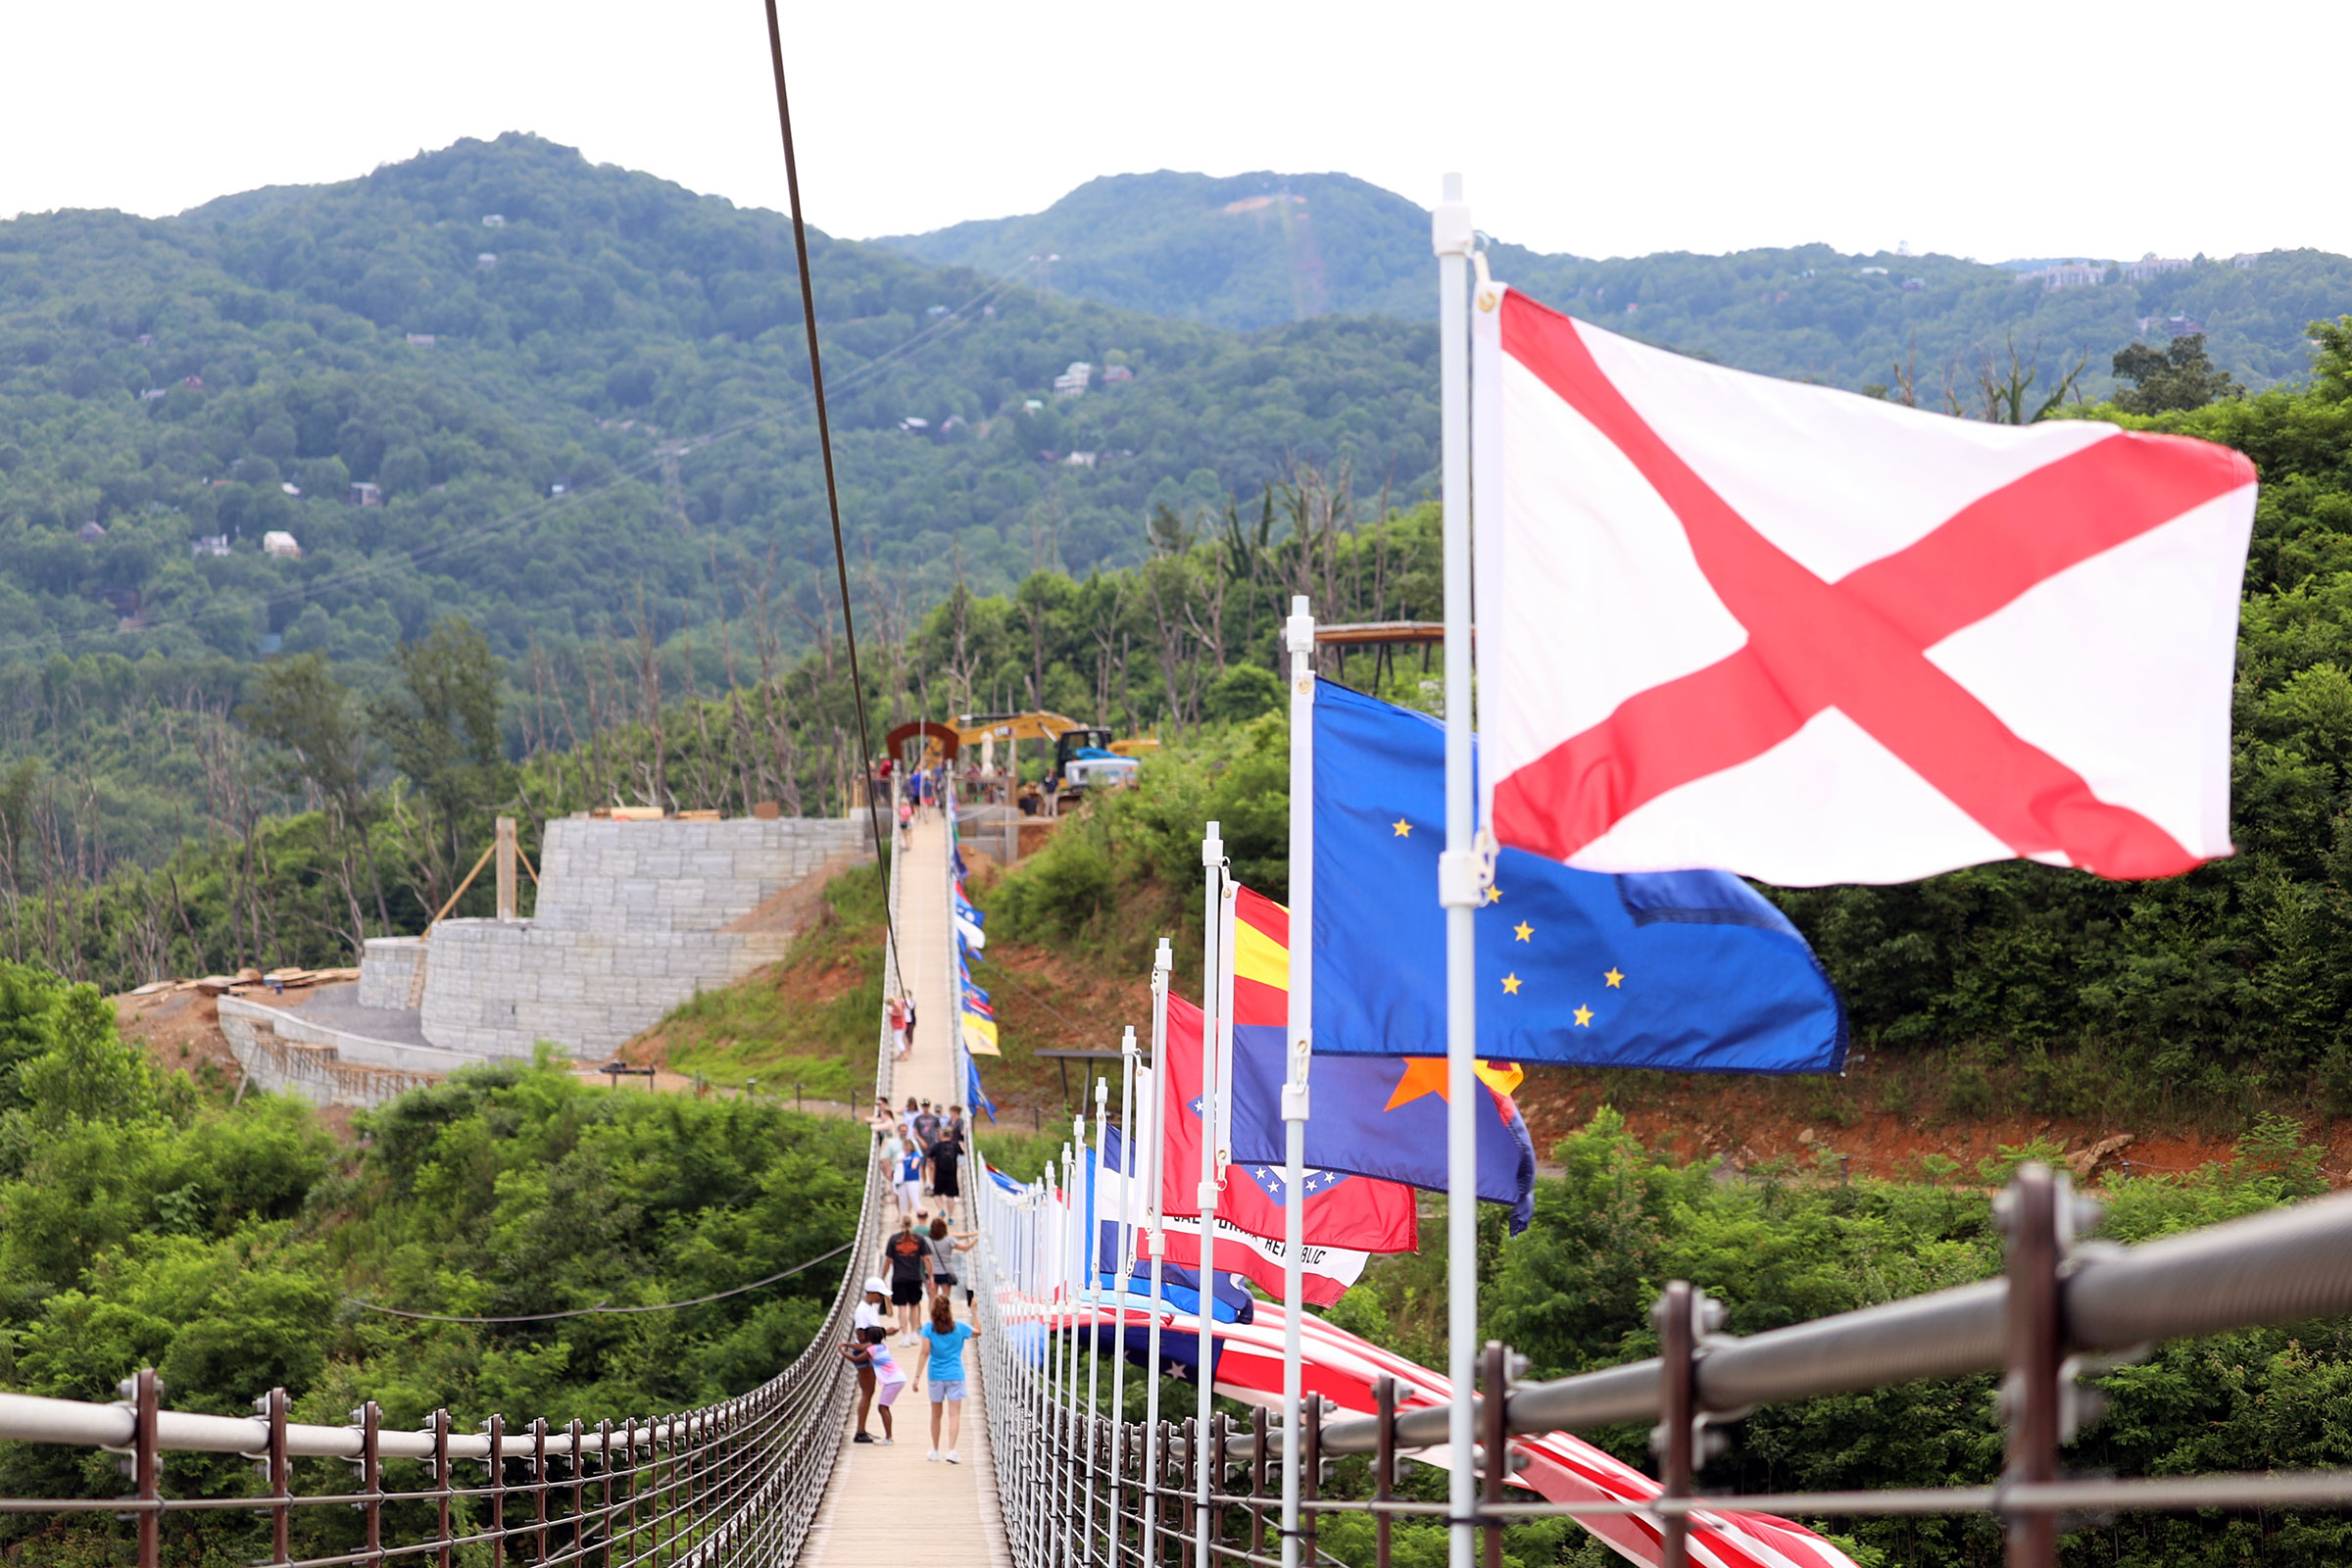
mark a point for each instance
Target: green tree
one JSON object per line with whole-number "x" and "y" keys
{"x": 302, "y": 709}
{"x": 2181, "y": 375}
{"x": 442, "y": 730}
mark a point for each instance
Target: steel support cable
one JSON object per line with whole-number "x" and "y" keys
{"x": 600, "y": 1309}
{"x": 825, "y": 435}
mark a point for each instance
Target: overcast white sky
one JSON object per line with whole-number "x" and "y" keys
{"x": 1986, "y": 129}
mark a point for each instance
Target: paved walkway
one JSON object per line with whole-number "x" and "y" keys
{"x": 890, "y": 1507}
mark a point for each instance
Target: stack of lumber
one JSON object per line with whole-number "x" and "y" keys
{"x": 249, "y": 982}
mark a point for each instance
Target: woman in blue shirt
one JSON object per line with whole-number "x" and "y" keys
{"x": 943, "y": 1366}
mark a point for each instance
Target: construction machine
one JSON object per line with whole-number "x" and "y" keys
{"x": 1085, "y": 756}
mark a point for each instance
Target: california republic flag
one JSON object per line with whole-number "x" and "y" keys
{"x": 1728, "y": 622}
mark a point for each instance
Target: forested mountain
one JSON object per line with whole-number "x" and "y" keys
{"x": 611, "y": 334}
{"x": 1258, "y": 248}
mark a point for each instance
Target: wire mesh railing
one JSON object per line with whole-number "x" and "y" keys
{"x": 731, "y": 1484}
{"x": 1085, "y": 1487}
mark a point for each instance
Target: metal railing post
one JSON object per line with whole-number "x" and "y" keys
{"x": 1495, "y": 1442}
{"x": 441, "y": 1488}
{"x": 1384, "y": 1468}
{"x": 604, "y": 1451}
{"x": 281, "y": 1461}
{"x": 539, "y": 1480}
{"x": 372, "y": 1475}
{"x": 147, "y": 1465}
{"x": 579, "y": 1489}
{"x": 1673, "y": 1440}
{"x": 2030, "y": 1397}
{"x": 1310, "y": 1472}
{"x": 496, "y": 1427}
{"x": 1258, "y": 1479}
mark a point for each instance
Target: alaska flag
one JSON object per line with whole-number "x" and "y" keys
{"x": 1370, "y": 1115}
{"x": 1685, "y": 971}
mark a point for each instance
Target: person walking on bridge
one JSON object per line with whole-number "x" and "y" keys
{"x": 944, "y": 1340}
{"x": 872, "y": 1315}
{"x": 908, "y": 1254}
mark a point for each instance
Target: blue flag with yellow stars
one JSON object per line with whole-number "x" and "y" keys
{"x": 1685, "y": 971}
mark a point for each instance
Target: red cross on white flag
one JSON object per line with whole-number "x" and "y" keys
{"x": 1735, "y": 622}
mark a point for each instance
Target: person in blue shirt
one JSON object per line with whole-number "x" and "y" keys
{"x": 944, "y": 1338}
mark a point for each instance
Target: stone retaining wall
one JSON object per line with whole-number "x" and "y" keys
{"x": 387, "y": 971}
{"x": 316, "y": 1071}
{"x": 632, "y": 918}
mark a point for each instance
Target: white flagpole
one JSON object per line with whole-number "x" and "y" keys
{"x": 1065, "y": 1365}
{"x": 1302, "y": 638}
{"x": 1458, "y": 891}
{"x": 1212, "y": 862}
{"x": 1163, "y": 962}
{"x": 1094, "y": 1298}
{"x": 1122, "y": 1269}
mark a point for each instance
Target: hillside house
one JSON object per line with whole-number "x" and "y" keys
{"x": 483, "y": 261}
{"x": 210, "y": 544}
{"x": 91, "y": 531}
{"x": 1117, "y": 372}
{"x": 420, "y": 340}
{"x": 2148, "y": 266}
{"x": 494, "y": 219}
{"x": 1081, "y": 460}
{"x": 363, "y": 494}
{"x": 279, "y": 543}
{"x": 1073, "y": 381}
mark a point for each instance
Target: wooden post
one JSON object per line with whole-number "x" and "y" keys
{"x": 506, "y": 868}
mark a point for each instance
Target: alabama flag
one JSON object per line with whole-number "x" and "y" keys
{"x": 1732, "y": 622}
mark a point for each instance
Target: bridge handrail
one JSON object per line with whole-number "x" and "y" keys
{"x": 738, "y": 1480}
{"x": 2059, "y": 1309}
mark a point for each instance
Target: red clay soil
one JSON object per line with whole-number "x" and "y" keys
{"x": 1045, "y": 1000}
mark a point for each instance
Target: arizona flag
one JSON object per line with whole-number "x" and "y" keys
{"x": 1730, "y": 622}
{"x": 1348, "y": 1217}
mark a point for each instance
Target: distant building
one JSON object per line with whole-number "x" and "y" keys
{"x": 494, "y": 219}
{"x": 1032, "y": 405}
{"x": 279, "y": 543}
{"x": 918, "y": 425}
{"x": 1081, "y": 460}
{"x": 91, "y": 531}
{"x": 485, "y": 259}
{"x": 2150, "y": 266}
{"x": 2184, "y": 326}
{"x": 2244, "y": 260}
{"x": 1073, "y": 381}
{"x": 152, "y": 393}
{"x": 291, "y": 488}
{"x": 420, "y": 340}
{"x": 561, "y": 487}
{"x": 936, "y": 312}
{"x": 366, "y": 495}
{"x": 1873, "y": 272}
{"x": 1117, "y": 372}
{"x": 1912, "y": 285}
{"x": 146, "y": 341}
{"x": 210, "y": 544}
{"x": 194, "y": 383}
{"x": 2067, "y": 275}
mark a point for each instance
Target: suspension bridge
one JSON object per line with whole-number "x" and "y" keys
{"x": 1055, "y": 1475}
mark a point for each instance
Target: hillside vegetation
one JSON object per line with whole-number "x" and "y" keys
{"x": 1256, "y": 250}
{"x": 228, "y": 1247}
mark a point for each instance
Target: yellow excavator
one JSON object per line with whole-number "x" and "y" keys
{"x": 1085, "y": 756}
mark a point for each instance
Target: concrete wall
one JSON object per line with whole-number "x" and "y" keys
{"x": 270, "y": 1046}
{"x": 632, "y": 920}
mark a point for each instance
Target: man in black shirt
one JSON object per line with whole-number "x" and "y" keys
{"x": 926, "y": 1132}
{"x": 909, "y": 1258}
{"x": 946, "y": 1155}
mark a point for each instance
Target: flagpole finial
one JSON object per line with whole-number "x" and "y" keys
{"x": 1127, "y": 1047}
{"x": 1212, "y": 847}
{"x": 1449, "y": 230}
{"x": 1163, "y": 958}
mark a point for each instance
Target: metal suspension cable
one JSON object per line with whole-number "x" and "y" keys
{"x": 601, "y": 1309}
{"x": 824, "y": 439}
